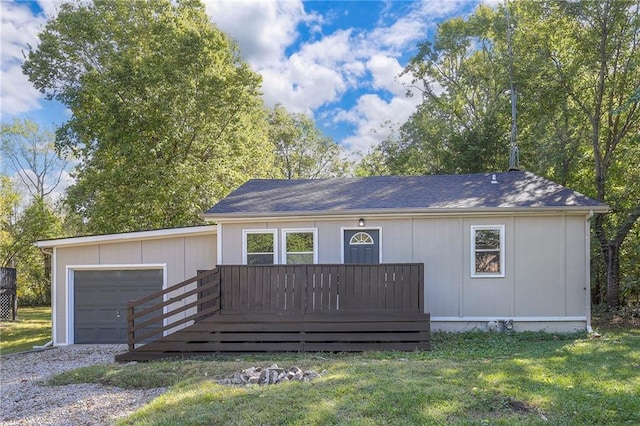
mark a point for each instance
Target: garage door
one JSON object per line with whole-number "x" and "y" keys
{"x": 100, "y": 301}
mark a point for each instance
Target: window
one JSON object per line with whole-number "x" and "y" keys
{"x": 299, "y": 246}
{"x": 361, "y": 238}
{"x": 259, "y": 247}
{"x": 487, "y": 251}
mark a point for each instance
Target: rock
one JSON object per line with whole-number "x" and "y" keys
{"x": 269, "y": 376}
{"x": 309, "y": 375}
{"x": 237, "y": 379}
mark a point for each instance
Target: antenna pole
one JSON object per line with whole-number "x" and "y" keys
{"x": 514, "y": 161}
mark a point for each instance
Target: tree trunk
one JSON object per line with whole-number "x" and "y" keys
{"x": 613, "y": 274}
{"x": 610, "y": 249}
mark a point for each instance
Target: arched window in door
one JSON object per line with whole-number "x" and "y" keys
{"x": 361, "y": 238}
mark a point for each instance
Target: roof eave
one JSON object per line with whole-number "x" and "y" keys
{"x": 127, "y": 236}
{"x": 244, "y": 216}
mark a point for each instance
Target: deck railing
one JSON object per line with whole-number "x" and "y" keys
{"x": 321, "y": 288}
{"x": 152, "y": 316}
{"x": 277, "y": 290}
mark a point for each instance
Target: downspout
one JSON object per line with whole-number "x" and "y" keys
{"x": 587, "y": 250}
{"x": 49, "y": 252}
{"x": 45, "y": 346}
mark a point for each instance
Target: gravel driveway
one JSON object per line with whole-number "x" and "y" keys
{"x": 24, "y": 401}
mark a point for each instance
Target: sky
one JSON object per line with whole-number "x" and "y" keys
{"x": 340, "y": 62}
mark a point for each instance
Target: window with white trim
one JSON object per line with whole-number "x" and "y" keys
{"x": 299, "y": 246}
{"x": 487, "y": 251}
{"x": 259, "y": 247}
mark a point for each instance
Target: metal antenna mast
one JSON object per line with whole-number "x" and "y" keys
{"x": 514, "y": 160}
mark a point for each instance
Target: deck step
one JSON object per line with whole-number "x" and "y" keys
{"x": 371, "y": 331}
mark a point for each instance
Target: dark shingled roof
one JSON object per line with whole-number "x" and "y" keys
{"x": 514, "y": 189}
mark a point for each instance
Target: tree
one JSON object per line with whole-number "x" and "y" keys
{"x": 36, "y": 222}
{"x": 19, "y": 230}
{"x": 589, "y": 52}
{"x": 166, "y": 116}
{"x": 302, "y": 151}
{"x": 31, "y": 154}
{"x": 9, "y": 200}
{"x": 462, "y": 123}
{"x": 576, "y": 72}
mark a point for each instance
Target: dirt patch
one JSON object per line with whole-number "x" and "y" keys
{"x": 624, "y": 317}
{"x": 519, "y": 406}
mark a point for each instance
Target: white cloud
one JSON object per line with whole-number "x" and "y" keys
{"x": 375, "y": 118}
{"x": 19, "y": 28}
{"x": 385, "y": 72}
{"x": 331, "y": 50}
{"x": 438, "y": 9}
{"x": 386, "y": 106}
{"x": 50, "y": 7}
{"x": 262, "y": 29}
{"x": 492, "y": 3}
{"x": 17, "y": 95}
{"x": 402, "y": 33}
{"x": 318, "y": 74}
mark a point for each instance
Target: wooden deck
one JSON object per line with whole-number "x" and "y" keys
{"x": 283, "y": 308}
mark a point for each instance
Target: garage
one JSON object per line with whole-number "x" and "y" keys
{"x": 100, "y": 301}
{"x": 94, "y": 276}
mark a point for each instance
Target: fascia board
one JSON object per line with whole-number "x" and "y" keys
{"x": 400, "y": 213}
{"x": 127, "y": 236}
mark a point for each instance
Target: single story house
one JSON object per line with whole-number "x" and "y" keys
{"x": 506, "y": 248}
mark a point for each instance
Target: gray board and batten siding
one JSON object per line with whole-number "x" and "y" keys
{"x": 429, "y": 219}
{"x": 155, "y": 259}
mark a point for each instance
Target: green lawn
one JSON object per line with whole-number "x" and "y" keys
{"x": 467, "y": 379}
{"x": 32, "y": 328}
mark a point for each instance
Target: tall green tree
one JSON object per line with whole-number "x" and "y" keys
{"x": 462, "y": 123}
{"x": 302, "y": 151}
{"x": 166, "y": 116}
{"x": 19, "y": 230}
{"x": 37, "y": 221}
{"x": 587, "y": 56}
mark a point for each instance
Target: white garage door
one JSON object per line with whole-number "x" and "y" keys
{"x": 100, "y": 301}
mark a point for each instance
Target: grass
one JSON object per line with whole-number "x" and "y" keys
{"x": 467, "y": 379}
{"x": 32, "y": 328}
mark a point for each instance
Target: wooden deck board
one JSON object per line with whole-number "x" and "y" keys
{"x": 285, "y": 308}
{"x": 293, "y": 333}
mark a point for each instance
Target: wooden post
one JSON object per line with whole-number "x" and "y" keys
{"x": 130, "y": 332}
{"x": 14, "y": 314}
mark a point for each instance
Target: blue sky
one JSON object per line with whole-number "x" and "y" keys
{"x": 337, "y": 61}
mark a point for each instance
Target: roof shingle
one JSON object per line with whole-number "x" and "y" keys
{"x": 514, "y": 189}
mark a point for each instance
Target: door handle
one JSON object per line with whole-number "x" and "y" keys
{"x": 117, "y": 313}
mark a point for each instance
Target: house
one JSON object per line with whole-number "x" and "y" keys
{"x": 510, "y": 247}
